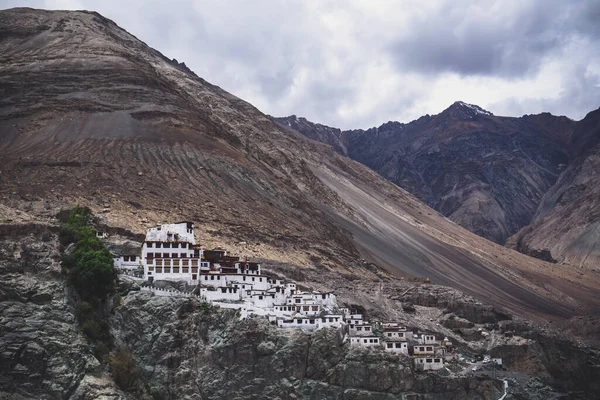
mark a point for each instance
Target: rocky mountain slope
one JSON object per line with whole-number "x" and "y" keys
{"x": 89, "y": 114}
{"x": 567, "y": 222}
{"x": 484, "y": 172}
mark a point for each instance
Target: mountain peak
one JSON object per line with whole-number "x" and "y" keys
{"x": 462, "y": 110}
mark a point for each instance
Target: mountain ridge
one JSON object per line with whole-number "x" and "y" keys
{"x": 487, "y": 173}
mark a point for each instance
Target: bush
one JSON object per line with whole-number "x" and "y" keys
{"x": 91, "y": 273}
{"x": 90, "y": 265}
{"x": 122, "y": 367}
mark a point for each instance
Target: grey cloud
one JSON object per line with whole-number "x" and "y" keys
{"x": 580, "y": 94}
{"x": 505, "y": 45}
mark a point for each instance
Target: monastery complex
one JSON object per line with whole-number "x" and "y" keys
{"x": 170, "y": 253}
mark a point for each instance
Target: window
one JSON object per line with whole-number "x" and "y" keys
{"x": 150, "y": 255}
{"x": 367, "y": 328}
{"x": 359, "y": 328}
{"x": 390, "y": 346}
{"x": 212, "y": 277}
{"x": 174, "y": 255}
{"x": 428, "y": 360}
{"x": 312, "y": 321}
{"x": 182, "y": 255}
{"x": 260, "y": 279}
{"x": 429, "y": 348}
{"x": 389, "y": 334}
{"x": 260, "y": 297}
{"x": 436, "y": 360}
{"x": 397, "y": 345}
{"x": 364, "y": 340}
{"x": 252, "y": 279}
{"x": 298, "y": 300}
{"x": 165, "y": 255}
{"x": 158, "y": 245}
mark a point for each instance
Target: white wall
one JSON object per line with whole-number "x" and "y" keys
{"x": 428, "y": 363}
{"x": 168, "y": 232}
{"x": 396, "y": 347}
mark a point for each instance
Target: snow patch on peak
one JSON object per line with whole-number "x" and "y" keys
{"x": 475, "y": 108}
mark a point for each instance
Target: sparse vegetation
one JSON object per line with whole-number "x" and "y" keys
{"x": 89, "y": 264}
{"x": 90, "y": 271}
{"x": 123, "y": 369}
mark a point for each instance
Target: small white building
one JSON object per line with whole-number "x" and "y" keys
{"x": 423, "y": 350}
{"x": 364, "y": 329}
{"x": 426, "y": 339}
{"x": 365, "y": 341}
{"x": 220, "y": 294}
{"x": 302, "y": 322}
{"x": 127, "y": 263}
{"x": 428, "y": 363}
{"x": 396, "y": 333}
{"x": 396, "y": 346}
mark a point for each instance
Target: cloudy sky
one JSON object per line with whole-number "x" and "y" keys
{"x": 357, "y": 64}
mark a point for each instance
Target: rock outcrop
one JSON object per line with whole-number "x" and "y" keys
{"x": 186, "y": 349}
{"x": 43, "y": 354}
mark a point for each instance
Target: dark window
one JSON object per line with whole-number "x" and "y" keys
{"x": 323, "y": 296}
{"x": 158, "y": 245}
{"x": 390, "y": 345}
{"x": 437, "y": 360}
{"x": 212, "y": 277}
{"x": 260, "y": 297}
{"x": 428, "y": 360}
{"x": 174, "y": 255}
{"x": 429, "y": 348}
{"x": 165, "y": 255}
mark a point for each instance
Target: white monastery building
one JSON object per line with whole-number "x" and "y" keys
{"x": 170, "y": 253}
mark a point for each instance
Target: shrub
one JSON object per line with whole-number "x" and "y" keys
{"x": 123, "y": 369}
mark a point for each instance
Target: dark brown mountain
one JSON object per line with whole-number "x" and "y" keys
{"x": 566, "y": 225}
{"x": 486, "y": 173}
{"x": 91, "y": 115}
